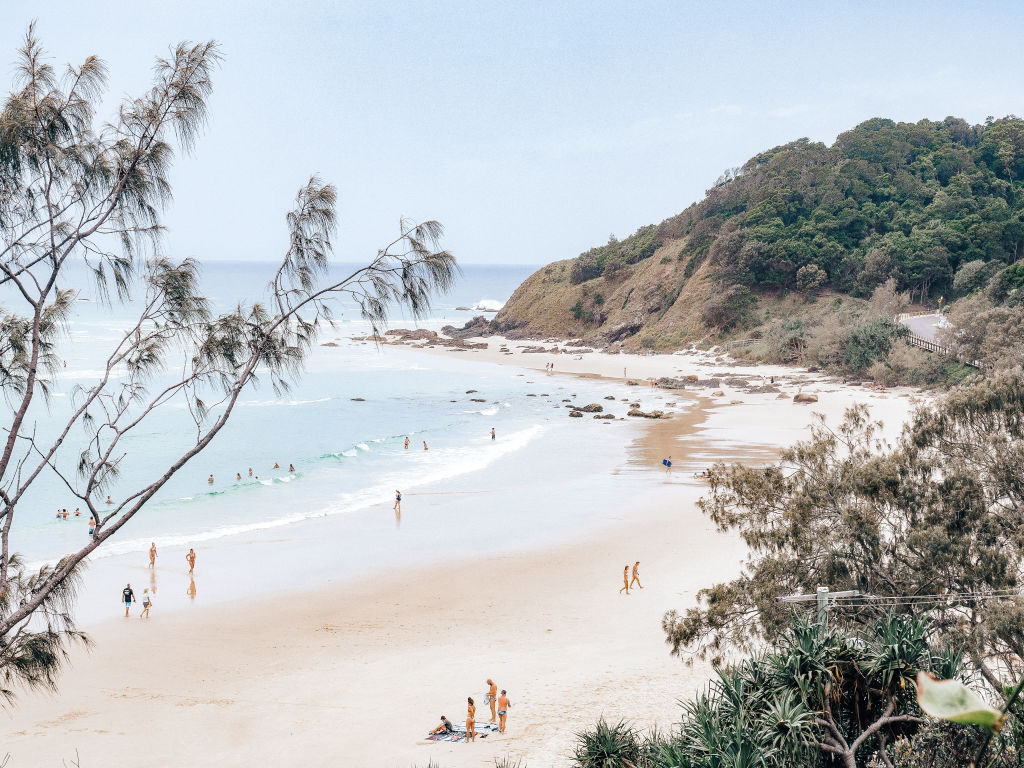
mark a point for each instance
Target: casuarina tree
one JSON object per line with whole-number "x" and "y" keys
{"x": 75, "y": 193}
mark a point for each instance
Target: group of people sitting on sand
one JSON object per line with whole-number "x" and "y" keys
{"x": 499, "y": 711}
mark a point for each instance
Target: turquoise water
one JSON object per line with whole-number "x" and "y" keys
{"x": 343, "y": 451}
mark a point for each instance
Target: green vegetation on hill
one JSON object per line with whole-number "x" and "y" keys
{"x": 921, "y": 210}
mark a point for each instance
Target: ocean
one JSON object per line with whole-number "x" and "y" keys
{"x": 348, "y": 454}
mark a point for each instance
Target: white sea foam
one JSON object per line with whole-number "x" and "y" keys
{"x": 428, "y": 467}
{"x": 488, "y": 305}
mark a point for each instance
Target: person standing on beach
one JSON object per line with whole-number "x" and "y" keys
{"x": 471, "y": 721}
{"x": 191, "y": 559}
{"x": 210, "y": 481}
{"x": 493, "y": 437}
{"x": 503, "y": 705}
{"x": 636, "y": 575}
{"x": 407, "y": 442}
{"x": 398, "y": 501}
{"x": 152, "y": 555}
{"x": 126, "y": 597}
{"x": 492, "y": 696}
{"x": 625, "y": 580}
{"x": 147, "y": 601}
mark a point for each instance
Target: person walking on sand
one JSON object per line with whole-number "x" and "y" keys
{"x": 407, "y": 442}
{"x": 398, "y": 501}
{"x": 492, "y": 696}
{"x": 126, "y": 597}
{"x": 625, "y": 580}
{"x": 147, "y": 601}
{"x": 636, "y": 575}
{"x": 493, "y": 436}
{"x": 503, "y": 705}
{"x": 470, "y": 721}
{"x": 152, "y": 555}
{"x": 191, "y": 559}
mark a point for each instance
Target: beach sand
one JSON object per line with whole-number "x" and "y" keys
{"x": 357, "y": 671}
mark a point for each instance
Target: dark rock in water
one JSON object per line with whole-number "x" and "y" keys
{"x": 604, "y": 415}
{"x": 670, "y": 383}
{"x": 328, "y": 344}
{"x": 646, "y": 414}
{"x": 631, "y": 383}
{"x": 477, "y": 400}
{"x": 609, "y": 397}
{"x": 530, "y": 394}
{"x": 566, "y": 400}
{"x": 803, "y": 397}
{"x": 358, "y": 399}
{"x": 478, "y": 326}
{"x": 691, "y": 378}
{"x": 634, "y": 405}
{"x": 592, "y": 408}
{"x": 576, "y": 414}
{"x": 470, "y": 391}
{"x": 463, "y": 309}
{"x": 412, "y": 335}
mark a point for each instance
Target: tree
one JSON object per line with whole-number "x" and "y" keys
{"x": 70, "y": 193}
{"x": 930, "y": 526}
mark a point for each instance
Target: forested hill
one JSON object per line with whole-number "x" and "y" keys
{"x": 914, "y": 202}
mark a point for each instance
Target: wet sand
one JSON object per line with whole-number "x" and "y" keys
{"x": 355, "y": 672}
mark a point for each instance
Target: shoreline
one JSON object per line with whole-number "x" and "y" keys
{"x": 308, "y": 674}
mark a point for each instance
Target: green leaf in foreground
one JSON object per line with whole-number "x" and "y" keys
{"x": 952, "y": 700}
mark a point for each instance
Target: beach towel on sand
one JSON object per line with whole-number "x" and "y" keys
{"x": 459, "y": 734}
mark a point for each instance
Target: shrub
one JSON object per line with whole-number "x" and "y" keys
{"x": 608, "y": 746}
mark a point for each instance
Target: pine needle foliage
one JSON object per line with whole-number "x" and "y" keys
{"x": 74, "y": 192}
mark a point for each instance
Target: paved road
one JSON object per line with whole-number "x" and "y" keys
{"x": 925, "y": 326}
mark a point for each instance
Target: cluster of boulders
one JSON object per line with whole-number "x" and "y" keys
{"x": 478, "y": 326}
{"x": 430, "y": 339}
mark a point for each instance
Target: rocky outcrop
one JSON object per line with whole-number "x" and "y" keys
{"x": 804, "y": 397}
{"x": 646, "y": 414}
{"x": 576, "y": 414}
{"x": 592, "y": 408}
{"x": 478, "y": 326}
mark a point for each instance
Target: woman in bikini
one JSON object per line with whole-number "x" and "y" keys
{"x": 503, "y": 705}
{"x": 471, "y": 721}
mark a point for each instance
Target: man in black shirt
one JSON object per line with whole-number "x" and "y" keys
{"x": 126, "y": 597}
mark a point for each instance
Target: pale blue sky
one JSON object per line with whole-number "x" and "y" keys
{"x": 531, "y": 131}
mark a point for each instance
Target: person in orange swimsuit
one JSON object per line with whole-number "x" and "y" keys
{"x": 471, "y": 721}
{"x": 503, "y": 705}
{"x": 636, "y": 575}
{"x": 492, "y": 695}
{"x": 625, "y": 580}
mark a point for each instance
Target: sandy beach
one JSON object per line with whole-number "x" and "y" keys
{"x": 355, "y": 670}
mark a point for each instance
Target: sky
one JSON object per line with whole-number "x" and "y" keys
{"x": 531, "y": 131}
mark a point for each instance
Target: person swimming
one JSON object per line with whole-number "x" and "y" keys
{"x": 210, "y": 480}
{"x": 424, "y": 445}
{"x": 291, "y": 467}
{"x": 407, "y": 443}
